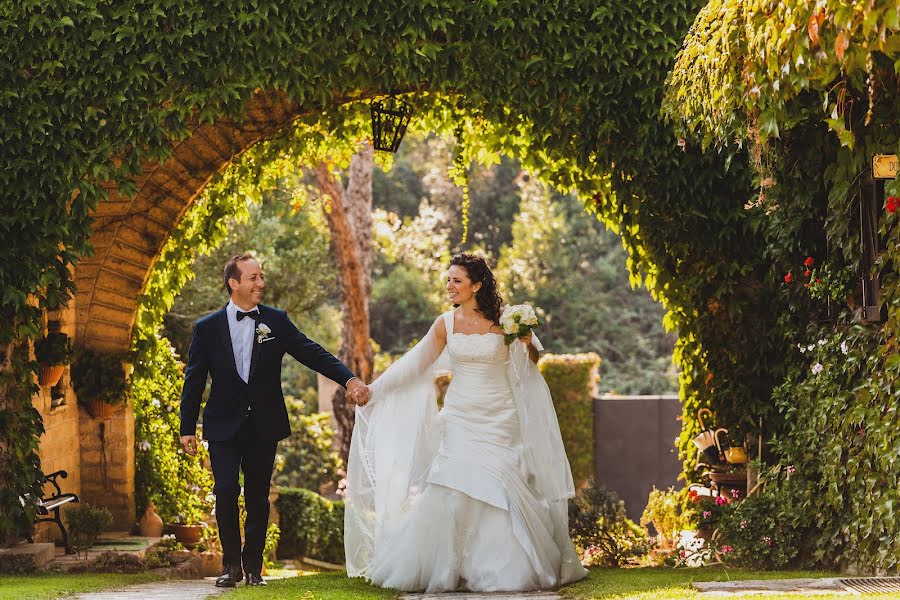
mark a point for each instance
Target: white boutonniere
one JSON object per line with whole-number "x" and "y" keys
{"x": 262, "y": 331}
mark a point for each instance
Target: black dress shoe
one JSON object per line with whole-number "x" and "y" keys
{"x": 254, "y": 579}
{"x": 229, "y": 577}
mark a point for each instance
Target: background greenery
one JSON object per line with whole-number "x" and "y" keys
{"x": 770, "y": 115}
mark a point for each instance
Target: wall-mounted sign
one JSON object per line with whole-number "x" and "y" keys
{"x": 884, "y": 166}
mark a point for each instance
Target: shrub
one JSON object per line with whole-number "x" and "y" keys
{"x": 86, "y": 523}
{"x": 602, "y": 533}
{"x": 311, "y": 526}
{"x": 273, "y": 534}
{"x": 572, "y": 379}
{"x": 707, "y": 511}
{"x": 179, "y": 485}
{"x": 309, "y": 458}
{"x": 668, "y": 512}
{"x": 759, "y": 532}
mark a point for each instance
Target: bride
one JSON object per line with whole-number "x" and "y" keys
{"x": 474, "y": 496}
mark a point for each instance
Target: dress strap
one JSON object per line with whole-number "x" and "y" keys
{"x": 448, "y": 321}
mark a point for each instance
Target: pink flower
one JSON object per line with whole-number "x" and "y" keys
{"x": 726, "y": 549}
{"x": 790, "y": 469}
{"x": 735, "y": 493}
{"x": 706, "y": 514}
{"x": 767, "y": 540}
{"x": 720, "y": 500}
{"x": 743, "y": 524}
{"x": 682, "y": 554}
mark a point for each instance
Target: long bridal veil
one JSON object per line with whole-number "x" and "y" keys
{"x": 397, "y": 434}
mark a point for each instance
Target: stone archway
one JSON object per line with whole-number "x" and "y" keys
{"x": 127, "y": 236}
{"x": 583, "y": 80}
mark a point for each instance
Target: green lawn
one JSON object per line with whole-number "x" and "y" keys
{"x": 39, "y": 587}
{"x": 674, "y": 584}
{"x": 334, "y": 585}
{"x": 618, "y": 584}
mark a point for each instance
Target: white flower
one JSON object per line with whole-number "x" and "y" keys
{"x": 817, "y": 368}
{"x": 811, "y": 347}
{"x": 155, "y": 403}
{"x": 822, "y": 342}
{"x": 144, "y": 445}
{"x": 262, "y": 330}
{"x": 844, "y": 347}
{"x": 514, "y": 317}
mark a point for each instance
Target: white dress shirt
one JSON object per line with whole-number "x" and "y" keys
{"x": 241, "y": 338}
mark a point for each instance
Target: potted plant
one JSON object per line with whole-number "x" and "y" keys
{"x": 100, "y": 381}
{"x": 186, "y": 530}
{"x": 53, "y": 352}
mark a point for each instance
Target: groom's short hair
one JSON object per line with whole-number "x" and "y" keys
{"x": 232, "y": 270}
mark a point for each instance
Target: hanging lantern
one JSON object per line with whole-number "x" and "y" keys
{"x": 389, "y": 121}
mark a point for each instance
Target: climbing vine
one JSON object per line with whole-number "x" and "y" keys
{"x": 811, "y": 88}
{"x": 97, "y": 91}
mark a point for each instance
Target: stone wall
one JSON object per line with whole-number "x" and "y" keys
{"x": 60, "y": 442}
{"x": 107, "y": 462}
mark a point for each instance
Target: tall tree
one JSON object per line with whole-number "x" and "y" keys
{"x": 348, "y": 211}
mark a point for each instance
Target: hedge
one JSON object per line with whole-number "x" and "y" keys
{"x": 311, "y": 526}
{"x": 572, "y": 379}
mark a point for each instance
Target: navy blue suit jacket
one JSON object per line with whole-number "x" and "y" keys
{"x": 230, "y": 397}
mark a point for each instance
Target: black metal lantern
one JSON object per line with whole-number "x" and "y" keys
{"x": 389, "y": 121}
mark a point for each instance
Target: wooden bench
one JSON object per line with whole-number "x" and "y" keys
{"x": 53, "y": 503}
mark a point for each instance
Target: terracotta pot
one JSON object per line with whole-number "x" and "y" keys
{"x": 100, "y": 409}
{"x": 186, "y": 534}
{"x": 151, "y": 523}
{"x": 50, "y": 374}
{"x": 211, "y": 563}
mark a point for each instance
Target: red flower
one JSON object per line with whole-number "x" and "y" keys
{"x": 788, "y": 278}
{"x": 807, "y": 273}
{"x": 818, "y": 280}
{"x": 809, "y": 261}
{"x": 892, "y": 204}
{"x": 805, "y": 285}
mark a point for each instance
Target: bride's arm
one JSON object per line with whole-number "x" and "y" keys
{"x": 533, "y": 352}
{"x": 415, "y": 362}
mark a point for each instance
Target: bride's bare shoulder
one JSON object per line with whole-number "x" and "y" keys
{"x": 440, "y": 326}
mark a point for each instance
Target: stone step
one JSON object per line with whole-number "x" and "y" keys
{"x": 27, "y": 557}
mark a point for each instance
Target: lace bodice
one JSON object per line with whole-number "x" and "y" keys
{"x": 477, "y": 348}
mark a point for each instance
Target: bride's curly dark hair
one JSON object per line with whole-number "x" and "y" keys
{"x": 487, "y": 296}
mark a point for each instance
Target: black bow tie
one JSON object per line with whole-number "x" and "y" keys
{"x": 253, "y": 314}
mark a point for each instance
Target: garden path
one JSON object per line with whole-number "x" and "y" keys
{"x": 195, "y": 589}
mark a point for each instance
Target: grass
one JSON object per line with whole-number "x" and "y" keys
{"x": 55, "y": 585}
{"x": 674, "y": 584}
{"x": 601, "y": 584}
{"x": 333, "y": 585}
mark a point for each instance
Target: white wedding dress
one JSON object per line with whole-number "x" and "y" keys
{"x": 473, "y": 497}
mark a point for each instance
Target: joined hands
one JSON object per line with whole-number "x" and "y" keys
{"x": 357, "y": 392}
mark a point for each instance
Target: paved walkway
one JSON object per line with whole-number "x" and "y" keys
{"x": 477, "y": 596}
{"x": 203, "y": 588}
{"x": 826, "y": 585}
{"x": 196, "y": 589}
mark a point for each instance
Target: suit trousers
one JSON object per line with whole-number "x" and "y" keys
{"x": 255, "y": 456}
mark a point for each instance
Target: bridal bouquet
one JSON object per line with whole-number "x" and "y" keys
{"x": 517, "y": 321}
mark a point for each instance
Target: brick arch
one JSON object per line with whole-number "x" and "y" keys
{"x": 128, "y": 234}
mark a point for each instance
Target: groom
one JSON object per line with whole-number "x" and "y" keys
{"x": 241, "y": 347}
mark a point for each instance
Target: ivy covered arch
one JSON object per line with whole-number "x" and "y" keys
{"x": 111, "y": 108}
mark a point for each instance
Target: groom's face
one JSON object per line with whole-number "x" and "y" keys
{"x": 248, "y": 290}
